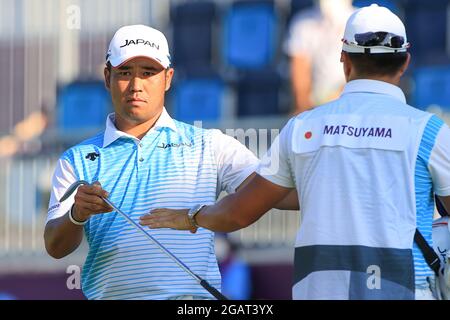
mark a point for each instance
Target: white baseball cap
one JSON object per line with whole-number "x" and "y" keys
{"x": 138, "y": 41}
{"x": 374, "y": 29}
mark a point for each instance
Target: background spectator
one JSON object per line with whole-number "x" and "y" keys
{"x": 314, "y": 47}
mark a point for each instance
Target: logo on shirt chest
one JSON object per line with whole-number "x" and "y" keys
{"x": 174, "y": 145}
{"x": 92, "y": 156}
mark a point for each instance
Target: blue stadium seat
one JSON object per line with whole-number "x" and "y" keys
{"x": 250, "y": 34}
{"x": 83, "y": 105}
{"x": 298, "y": 5}
{"x": 193, "y": 33}
{"x": 426, "y": 25}
{"x": 199, "y": 98}
{"x": 432, "y": 87}
{"x": 390, "y": 4}
{"x": 258, "y": 93}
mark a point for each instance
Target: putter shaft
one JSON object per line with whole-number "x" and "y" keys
{"x": 139, "y": 227}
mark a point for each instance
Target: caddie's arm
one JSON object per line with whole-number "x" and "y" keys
{"x": 290, "y": 202}
{"x": 233, "y": 212}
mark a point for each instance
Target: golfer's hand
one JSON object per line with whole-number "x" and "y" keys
{"x": 88, "y": 201}
{"x": 168, "y": 218}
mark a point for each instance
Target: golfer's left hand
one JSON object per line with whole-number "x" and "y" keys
{"x": 167, "y": 218}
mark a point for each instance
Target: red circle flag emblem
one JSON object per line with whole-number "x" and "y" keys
{"x": 308, "y": 135}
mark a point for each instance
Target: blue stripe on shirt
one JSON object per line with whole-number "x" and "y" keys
{"x": 424, "y": 199}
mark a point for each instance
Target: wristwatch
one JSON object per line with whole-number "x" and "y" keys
{"x": 193, "y": 212}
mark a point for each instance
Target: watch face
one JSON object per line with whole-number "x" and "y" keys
{"x": 192, "y": 212}
{"x": 194, "y": 209}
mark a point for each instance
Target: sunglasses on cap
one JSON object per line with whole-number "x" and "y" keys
{"x": 380, "y": 38}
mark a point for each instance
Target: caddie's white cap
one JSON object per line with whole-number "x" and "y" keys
{"x": 374, "y": 29}
{"x": 138, "y": 41}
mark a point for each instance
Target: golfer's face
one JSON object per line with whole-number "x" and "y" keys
{"x": 137, "y": 89}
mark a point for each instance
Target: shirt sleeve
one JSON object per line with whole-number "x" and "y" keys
{"x": 275, "y": 164}
{"x": 439, "y": 163}
{"x": 63, "y": 177}
{"x": 235, "y": 162}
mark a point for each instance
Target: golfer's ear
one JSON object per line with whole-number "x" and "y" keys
{"x": 169, "y": 76}
{"x": 406, "y": 64}
{"x": 107, "y": 75}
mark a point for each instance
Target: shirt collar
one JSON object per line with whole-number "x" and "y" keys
{"x": 374, "y": 86}
{"x": 112, "y": 133}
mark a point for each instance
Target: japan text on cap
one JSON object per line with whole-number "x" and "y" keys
{"x": 138, "y": 41}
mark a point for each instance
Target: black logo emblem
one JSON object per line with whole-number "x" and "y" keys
{"x": 92, "y": 156}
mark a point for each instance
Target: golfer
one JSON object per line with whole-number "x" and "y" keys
{"x": 365, "y": 167}
{"x": 144, "y": 159}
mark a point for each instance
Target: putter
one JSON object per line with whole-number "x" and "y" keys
{"x": 202, "y": 282}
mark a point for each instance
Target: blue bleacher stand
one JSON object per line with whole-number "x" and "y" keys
{"x": 390, "y": 4}
{"x": 250, "y": 34}
{"x": 83, "y": 105}
{"x": 199, "y": 98}
{"x": 432, "y": 87}
{"x": 426, "y": 26}
{"x": 258, "y": 93}
{"x": 193, "y": 33}
{"x": 299, "y": 5}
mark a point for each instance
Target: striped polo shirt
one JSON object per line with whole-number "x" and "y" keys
{"x": 175, "y": 165}
{"x": 366, "y": 167}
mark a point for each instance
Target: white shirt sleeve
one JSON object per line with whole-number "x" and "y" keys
{"x": 63, "y": 177}
{"x": 275, "y": 164}
{"x": 301, "y": 29}
{"x": 292, "y": 45}
{"x": 235, "y": 162}
{"x": 439, "y": 162}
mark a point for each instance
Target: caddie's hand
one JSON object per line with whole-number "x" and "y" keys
{"x": 88, "y": 201}
{"x": 168, "y": 218}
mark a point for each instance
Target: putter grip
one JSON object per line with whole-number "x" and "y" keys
{"x": 212, "y": 290}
